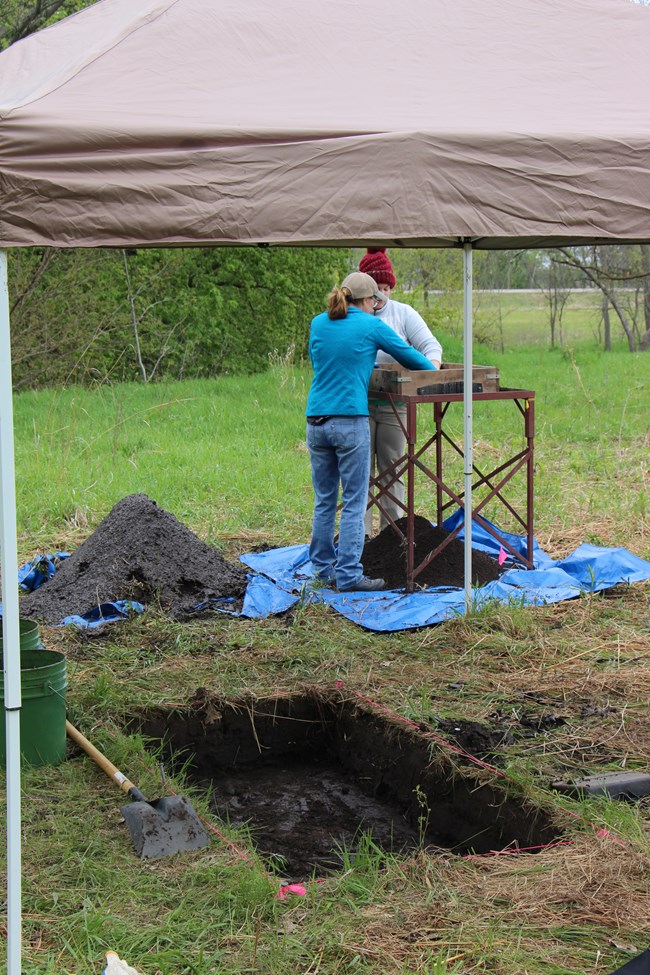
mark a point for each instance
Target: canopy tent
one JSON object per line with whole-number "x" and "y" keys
{"x": 429, "y": 123}
{"x": 308, "y": 122}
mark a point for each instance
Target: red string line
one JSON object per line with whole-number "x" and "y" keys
{"x": 536, "y": 794}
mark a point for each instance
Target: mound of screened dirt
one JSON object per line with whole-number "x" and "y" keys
{"x": 384, "y": 557}
{"x": 139, "y": 552}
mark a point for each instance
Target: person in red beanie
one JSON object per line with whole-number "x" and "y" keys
{"x": 387, "y": 440}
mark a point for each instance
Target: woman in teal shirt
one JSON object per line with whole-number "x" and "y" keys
{"x": 343, "y": 344}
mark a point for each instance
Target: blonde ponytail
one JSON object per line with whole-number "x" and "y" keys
{"x": 337, "y": 303}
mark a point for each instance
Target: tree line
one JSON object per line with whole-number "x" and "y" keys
{"x": 619, "y": 272}
{"x": 115, "y": 315}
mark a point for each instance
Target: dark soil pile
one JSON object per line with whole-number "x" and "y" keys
{"x": 384, "y": 557}
{"x": 138, "y": 552}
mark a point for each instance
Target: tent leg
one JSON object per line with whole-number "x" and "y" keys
{"x": 467, "y": 409}
{"x": 10, "y": 631}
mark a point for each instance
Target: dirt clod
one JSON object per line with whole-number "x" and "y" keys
{"x": 474, "y": 738}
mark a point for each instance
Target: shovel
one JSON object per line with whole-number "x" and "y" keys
{"x": 158, "y": 828}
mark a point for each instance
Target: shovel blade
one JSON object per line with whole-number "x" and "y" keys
{"x": 163, "y": 827}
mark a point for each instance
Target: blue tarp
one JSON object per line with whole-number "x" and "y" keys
{"x": 36, "y": 573}
{"x": 33, "y": 574}
{"x": 589, "y": 569}
{"x": 283, "y": 576}
{"x": 262, "y": 598}
{"x": 104, "y": 613}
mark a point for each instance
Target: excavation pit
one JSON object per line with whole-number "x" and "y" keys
{"x": 315, "y": 774}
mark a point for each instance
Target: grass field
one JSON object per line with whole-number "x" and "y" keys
{"x": 523, "y": 319}
{"x": 79, "y": 451}
{"x": 516, "y": 319}
{"x": 227, "y": 457}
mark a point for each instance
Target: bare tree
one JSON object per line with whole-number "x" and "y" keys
{"x": 557, "y": 290}
{"x": 610, "y": 269}
{"x": 607, "y": 325}
{"x": 133, "y": 296}
{"x": 644, "y": 341}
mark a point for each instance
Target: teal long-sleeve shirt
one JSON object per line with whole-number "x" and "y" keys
{"x": 343, "y": 353}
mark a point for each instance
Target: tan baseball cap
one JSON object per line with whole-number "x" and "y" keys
{"x": 361, "y": 285}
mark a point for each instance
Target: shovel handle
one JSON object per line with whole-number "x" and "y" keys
{"x": 105, "y": 765}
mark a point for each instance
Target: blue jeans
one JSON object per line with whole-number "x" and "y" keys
{"x": 340, "y": 453}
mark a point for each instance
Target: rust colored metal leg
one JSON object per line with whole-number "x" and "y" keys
{"x": 495, "y": 480}
{"x": 437, "y": 416}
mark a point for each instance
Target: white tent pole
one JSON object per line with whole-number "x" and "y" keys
{"x": 10, "y": 631}
{"x": 467, "y": 407}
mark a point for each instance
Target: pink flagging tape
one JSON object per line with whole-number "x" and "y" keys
{"x": 298, "y": 889}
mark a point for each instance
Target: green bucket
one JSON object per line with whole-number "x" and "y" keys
{"x": 30, "y": 636}
{"x": 44, "y": 681}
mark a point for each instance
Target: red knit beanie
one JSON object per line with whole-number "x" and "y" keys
{"x": 375, "y": 263}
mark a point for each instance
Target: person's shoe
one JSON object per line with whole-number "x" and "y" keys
{"x": 364, "y": 584}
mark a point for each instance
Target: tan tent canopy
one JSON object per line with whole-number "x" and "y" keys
{"x": 329, "y": 122}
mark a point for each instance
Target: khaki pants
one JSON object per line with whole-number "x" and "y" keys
{"x": 387, "y": 445}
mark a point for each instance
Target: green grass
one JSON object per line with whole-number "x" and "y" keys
{"x": 220, "y": 454}
{"x": 523, "y": 319}
{"x": 227, "y": 458}
{"x": 511, "y": 319}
